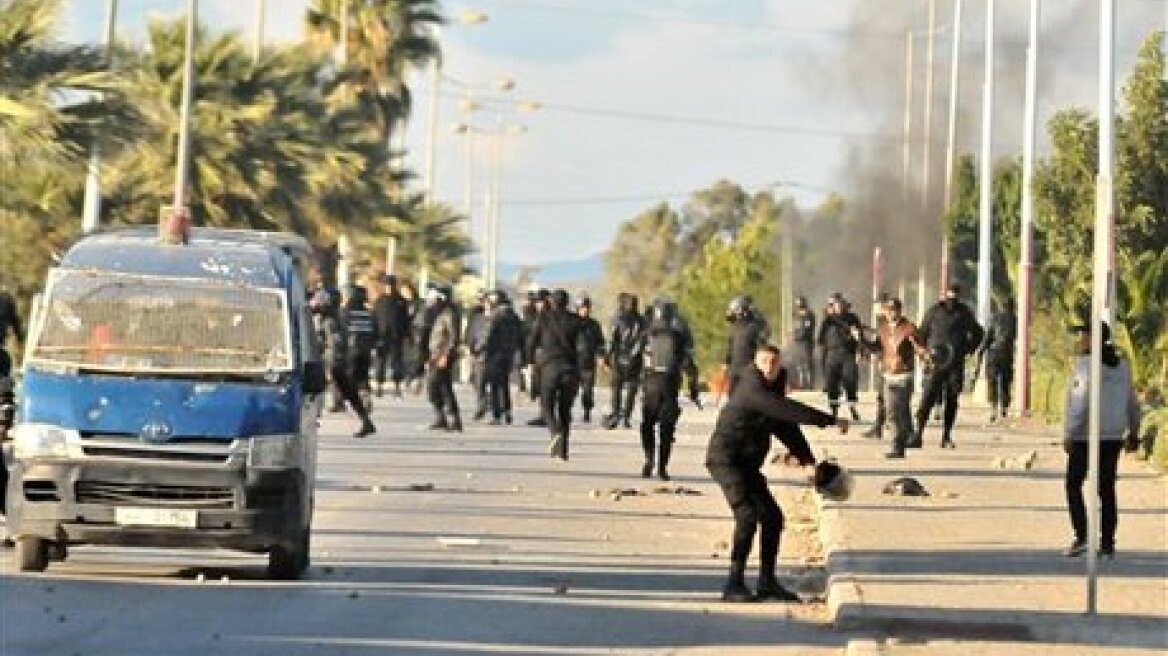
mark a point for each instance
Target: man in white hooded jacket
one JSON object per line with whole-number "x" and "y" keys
{"x": 1119, "y": 425}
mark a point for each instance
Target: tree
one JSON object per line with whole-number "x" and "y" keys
{"x": 643, "y": 257}
{"x": 719, "y": 210}
{"x": 429, "y": 236}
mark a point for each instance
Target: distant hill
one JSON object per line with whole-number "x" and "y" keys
{"x": 583, "y": 270}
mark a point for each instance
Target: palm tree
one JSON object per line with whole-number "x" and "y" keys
{"x": 384, "y": 39}
{"x": 429, "y": 236}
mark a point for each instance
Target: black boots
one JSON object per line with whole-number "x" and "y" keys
{"x": 735, "y": 591}
{"x": 769, "y": 589}
{"x": 666, "y": 449}
{"x": 367, "y": 428}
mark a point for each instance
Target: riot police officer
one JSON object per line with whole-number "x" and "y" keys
{"x": 952, "y": 333}
{"x": 591, "y": 350}
{"x": 748, "y": 331}
{"x": 442, "y": 351}
{"x": 555, "y": 336}
{"x": 803, "y": 344}
{"x": 997, "y": 351}
{"x": 839, "y": 337}
{"x": 624, "y": 360}
{"x": 361, "y": 332}
{"x": 392, "y": 312}
{"x": 477, "y": 325}
{"x": 504, "y": 339}
{"x": 333, "y": 336}
{"x": 668, "y": 352}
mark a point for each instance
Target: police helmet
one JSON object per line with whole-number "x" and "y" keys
{"x": 739, "y": 305}
{"x": 583, "y": 302}
{"x": 833, "y": 482}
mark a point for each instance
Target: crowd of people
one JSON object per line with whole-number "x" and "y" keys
{"x": 554, "y": 350}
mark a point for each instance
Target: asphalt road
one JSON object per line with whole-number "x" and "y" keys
{"x": 509, "y": 552}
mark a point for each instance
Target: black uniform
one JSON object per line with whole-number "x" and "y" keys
{"x": 7, "y": 416}
{"x": 997, "y": 349}
{"x": 840, "y": 348}
{"x": 333, "y": 336}
{"x": 442, "y": 348}
{"x": 392, "y": 313}
{"x": 747, "y": 333}
{"x": 590, "y": 347}
{"x": 624, "y": 361}
{"x": 530, "y": 317}
{"x": 361, "y": 333}
{"x": 555, "y": 336}
{"x": 668, "y": 351}
{"x": 735, "y": 456}
{"x": 952, "y": 334}
{"x": 504, "y": 340}
{"x": 803, "y": 343}
{"x": 9, "y": 318}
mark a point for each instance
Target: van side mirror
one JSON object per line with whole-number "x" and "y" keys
{"x": 315, "y": 382}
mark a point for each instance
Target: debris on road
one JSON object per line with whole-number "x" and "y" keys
{"x": 679, "y": 490}
{"x": 617, "y": 493}
{"x": 421, "y": 487}
{"x": 561, "y": 589}
{"x": 906, "y": 486}
{"x": 1021, "y": 461}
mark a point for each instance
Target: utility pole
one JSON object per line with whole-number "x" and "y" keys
{"x": 951, "y": 148}
{"x": 985, "y": 260}
{"x": 927, "y": 150}
{"x": 257, "y": 45}
{"x": 1103, "y": 282}
{"x": 188, "y": 92}
{"x": 91, "y": 205}
{"x": 1026, "y": 264}
{"x": 906, "y": 163}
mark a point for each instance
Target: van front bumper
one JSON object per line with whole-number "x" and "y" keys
{"x": 134, "y": 505}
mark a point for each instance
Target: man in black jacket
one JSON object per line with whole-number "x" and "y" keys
{"x": 624, "y": 360}
{"x": 748, "y": 331}
{"x": 591, "y": 349}
{"x": 839, "y": 337}
{"x": 333, "y": 336}
{"x": 504, "y": 340}
{"x": 555, "y": 336}
{"x": 803, "y": 341}
{"x": 392, "y": 313}
{"x": 537, "y": 302}
{"x": 952, "y": 333}
{"x": 668, "y": 352}
{"x": 997, "y": 351}
{"x": 736, "y": 453}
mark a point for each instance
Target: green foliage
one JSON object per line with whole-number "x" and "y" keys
{"x": 644, "y": 258}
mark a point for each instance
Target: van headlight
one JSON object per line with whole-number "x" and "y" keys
{"x": 41, "y": 441}
{"x": 274, "y": 452}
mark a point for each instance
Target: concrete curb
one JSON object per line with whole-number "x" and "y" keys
{"x": 845, "y": 601}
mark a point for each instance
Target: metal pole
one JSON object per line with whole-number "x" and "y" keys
{"x": 927, "y": 150}
{"x": 91, "y": 205}
{"x": 468, "y": 176}
{"x": 257, "y": 45}
{"x": 496, "y": 205}
{"x": 184, "y": 134}
{"x": 391, "y": 255}
{"x": 951, "y": 148}
{"x": 343, "y": 45}
{"x": 985, "y": 243}
{"x": 432, "y": 130}
{"x": 1026, "y": 265}
{"x": 906, "y": 164}
{"x": 1103, "y": 281}
{"x": 877, "y": 275}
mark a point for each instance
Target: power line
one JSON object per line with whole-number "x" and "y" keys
{"x": 643, "y": 198}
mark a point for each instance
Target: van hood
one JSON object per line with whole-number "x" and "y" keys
{"x": 158, "y": 410}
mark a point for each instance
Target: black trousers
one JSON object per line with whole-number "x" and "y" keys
{"x": 390, "y": 359}
{"x": 942, "y": 386}
{"x": 359, "y": 364}
{"x": 560, "y": 382}
{"x": 536, "y": 387}
{"x": 754, "y": 507}
{"x": 440, "y": 390}
{"x": 843, "y": 377}
{"x": 1000, "y": 372}
{"x": 1077, "y": 473}
{"x": 659, "y": 414}
{"x": 498, "y": 379}
{"x": 804, "y": 364}
{"x": 624, "y": 391}
{"x": 347, "y": 390}
{"x": 897, "y": 398}
{"x": 587, "y": 389}
{"x": 882, "y": 399}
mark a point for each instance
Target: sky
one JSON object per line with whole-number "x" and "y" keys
{"x": 647, "y": 100}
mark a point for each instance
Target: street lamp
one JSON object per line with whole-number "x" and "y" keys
{"x": 91, "y": 205}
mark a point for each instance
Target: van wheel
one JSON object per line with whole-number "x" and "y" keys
{"x": 32, "y": 554}
{"x": 288, "y": 562}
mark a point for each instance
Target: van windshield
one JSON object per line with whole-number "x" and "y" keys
{"x": 119, "y": 323}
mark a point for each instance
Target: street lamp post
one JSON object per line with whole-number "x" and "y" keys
{"x": 951, "y": 137}
{"x": 1026, "y": 263}
{"x": 91, "y": 205}
{"x": 258, "y": 37}
{"x": 188, "y": 91}
{"x": 985, "y": 243}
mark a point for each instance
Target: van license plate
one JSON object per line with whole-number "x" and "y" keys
{"x": 157, "y": 517}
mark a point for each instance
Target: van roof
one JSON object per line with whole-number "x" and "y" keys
{"x": 259, "y": 259}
